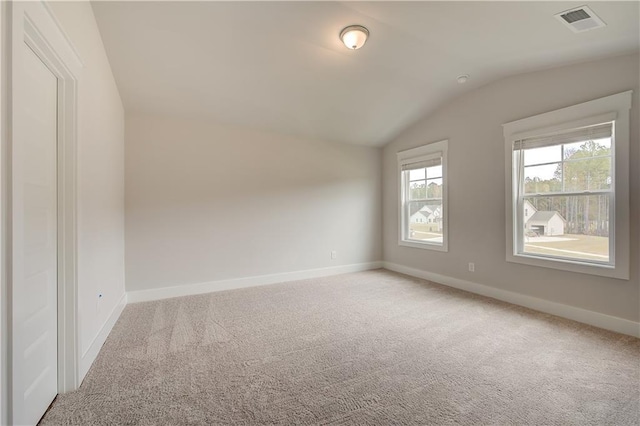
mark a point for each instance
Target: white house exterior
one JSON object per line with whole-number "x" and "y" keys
{"x": 428, "y": 215}
{"x": 528, "y": 211}
{"x": 418, "y": 217}
{"x": 541, "y": 222}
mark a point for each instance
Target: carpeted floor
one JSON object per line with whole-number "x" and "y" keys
{"x": 369, "y": 348}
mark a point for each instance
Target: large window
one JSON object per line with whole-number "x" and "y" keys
{"x": 568, "y": 198}
{"x": 423, "y": 201}
{"x": 565, "y": 195}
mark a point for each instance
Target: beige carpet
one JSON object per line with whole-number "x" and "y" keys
{"x": 370, "y": 348}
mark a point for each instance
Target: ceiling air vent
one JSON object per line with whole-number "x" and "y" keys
{"x": 580, "y": 19}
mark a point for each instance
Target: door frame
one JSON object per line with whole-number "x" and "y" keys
{"x": 33, "y": 23}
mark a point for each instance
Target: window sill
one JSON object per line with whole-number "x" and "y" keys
{"x": 427, "y": 246}
{"x": 570, "y": 266}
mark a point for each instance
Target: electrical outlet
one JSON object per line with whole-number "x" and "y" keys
{"x": 472, "y": 267}
{"x": 334, "y": 254}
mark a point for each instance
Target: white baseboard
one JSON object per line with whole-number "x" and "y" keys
{"x": 585, "y": 316}
{"x": 211, "y": 286}
{"x": 92, "y": 351}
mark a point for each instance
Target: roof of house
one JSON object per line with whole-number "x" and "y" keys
{"x": 543, "y": 216}
{"x": 428, "y": 211}
{"x": 424, "y": 212}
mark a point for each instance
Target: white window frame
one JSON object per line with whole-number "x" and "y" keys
{"x": 611, "y": 108}
{"x": 423, "y": 153}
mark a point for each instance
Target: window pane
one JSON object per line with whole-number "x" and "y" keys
{"x": 434, "y": 188}
{"x": 575, "y": 227}
{"x": 434, "y": 172}
{"x": 583, "y": 149}
{"x": 587, "y": 174}
{"x": 425, "y": 222}
{"x": 416, "y": 174}
{"x": 542, "y": 179}
{"x": 547, "y": 154}
{"x": 417, "y": 190}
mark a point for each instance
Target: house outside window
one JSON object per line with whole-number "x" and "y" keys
{"x": 423, "y": 197}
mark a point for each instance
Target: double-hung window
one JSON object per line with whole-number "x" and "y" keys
{"x": 423, "y": 196}
{"x": 568, "y": 188}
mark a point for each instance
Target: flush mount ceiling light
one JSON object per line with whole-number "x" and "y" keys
{"x": 354, "y": 36}
{"x": 462, "y": 79}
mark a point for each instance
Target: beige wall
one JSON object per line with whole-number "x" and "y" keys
{"x": 4, "y": 174}
{"x": 100, "y": 174}
{"x": 207, "y": 202}
{"x": 473, "y": 125}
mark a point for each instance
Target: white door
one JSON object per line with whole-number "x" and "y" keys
{"x": 35, "y": 275}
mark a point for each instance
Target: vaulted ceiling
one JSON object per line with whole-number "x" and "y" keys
{"x": 281, "y": 66}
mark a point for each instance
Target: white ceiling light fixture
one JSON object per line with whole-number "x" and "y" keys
{"x": 354, "y": 36}
{"x": 462, "y": 79}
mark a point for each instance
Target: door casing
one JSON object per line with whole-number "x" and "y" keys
{"x": 33, "y": 23}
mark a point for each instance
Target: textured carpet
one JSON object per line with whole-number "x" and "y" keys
{"x": 372, "y": 348}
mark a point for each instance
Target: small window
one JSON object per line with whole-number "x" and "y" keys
{"x": 423, "y": 200}
{"x": 568, "y": 200}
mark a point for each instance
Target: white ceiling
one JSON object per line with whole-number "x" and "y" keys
{"x": 281, "y": 66}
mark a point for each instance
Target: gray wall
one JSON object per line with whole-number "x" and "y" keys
{"x": 473, "y": 125}
{"x": 207, "y": 202}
